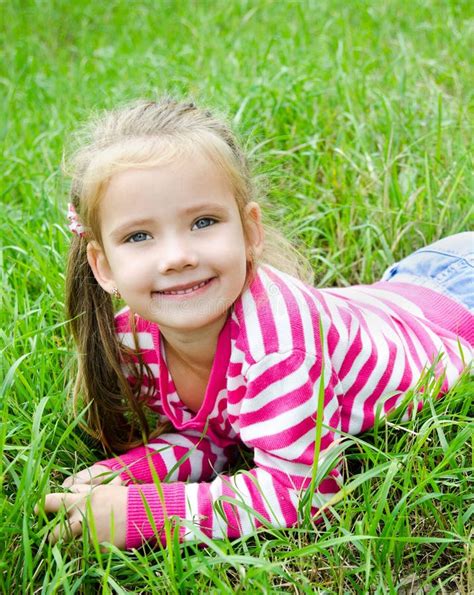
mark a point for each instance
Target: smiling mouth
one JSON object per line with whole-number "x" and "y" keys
{"x": 184, "y": 290}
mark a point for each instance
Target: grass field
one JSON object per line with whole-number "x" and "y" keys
{"x": 357, "y": 117}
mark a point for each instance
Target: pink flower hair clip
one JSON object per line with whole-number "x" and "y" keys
{"x": 75, "y": 224}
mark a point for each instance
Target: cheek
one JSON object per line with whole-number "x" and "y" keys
{"x": 130, "y": 271}
{"x": 233, "y": 255}
{"x": 238, "y": 268}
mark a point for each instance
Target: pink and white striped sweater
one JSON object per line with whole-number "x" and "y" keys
{"x": 263, "y": 391}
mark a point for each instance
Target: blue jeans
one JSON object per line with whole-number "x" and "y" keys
{"x": 447, "y": 266}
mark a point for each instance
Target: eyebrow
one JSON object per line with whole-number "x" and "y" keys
{"x": 205, "y": 206}
{"x": 211, "y": 207}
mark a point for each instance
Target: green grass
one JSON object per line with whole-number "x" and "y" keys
{"x": 357, "y": 118}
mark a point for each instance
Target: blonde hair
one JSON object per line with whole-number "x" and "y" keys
{"x": 140, "y": 135}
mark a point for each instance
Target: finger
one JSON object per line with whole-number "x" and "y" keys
{"x": 66, "y": 530}
{"x": 94, "y": 475}
{"x": 104, "y": 475}
{"x": 81, "y": 488}
{"x": 56, "y": 501}
{"x": 69, "y": 481}
{"x": 84, "y": 476}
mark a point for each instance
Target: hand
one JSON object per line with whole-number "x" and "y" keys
{"x": 102, "y": 508}
{"x": 95, "y": 475}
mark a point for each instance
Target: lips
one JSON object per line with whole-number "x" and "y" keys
{"x": 184, "y": 289}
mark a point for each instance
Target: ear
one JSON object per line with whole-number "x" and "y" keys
{"x": 254, "y": 228}
{"x": 100, "y": 267}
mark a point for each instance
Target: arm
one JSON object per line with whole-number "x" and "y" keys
{"x": 187, "y": 456}
{"x": 277, "y": 420}
{"x": 173, "y": 457}
{"x": 226, "y": 507}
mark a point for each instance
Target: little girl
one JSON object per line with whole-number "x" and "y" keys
{"x": 222, "y": 343}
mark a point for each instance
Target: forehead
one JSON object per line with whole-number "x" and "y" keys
{"x": 169, "y": 187}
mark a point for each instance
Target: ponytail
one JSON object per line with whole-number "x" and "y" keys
{"x": 115, "y": 413}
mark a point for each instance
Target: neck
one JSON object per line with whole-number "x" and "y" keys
{"x": 194, "y": 348}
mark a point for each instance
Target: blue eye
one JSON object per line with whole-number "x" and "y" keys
{"x": 140, "y": 236}
{"x": 204, "y": 222}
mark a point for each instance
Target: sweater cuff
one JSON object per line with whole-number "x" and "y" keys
{"x": 146, "y": 513}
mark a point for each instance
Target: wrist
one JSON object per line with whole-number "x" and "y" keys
{"x": 118, "y": 468}
{"x": 147, "y": 513}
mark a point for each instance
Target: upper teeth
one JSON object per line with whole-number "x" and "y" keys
{"x": 183, "y": 291}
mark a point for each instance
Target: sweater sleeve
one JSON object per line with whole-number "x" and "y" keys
{"x": 187, "y": 456}
{"x": 277, "y": 419}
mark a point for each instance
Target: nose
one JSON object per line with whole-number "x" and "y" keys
{"x": 176, "y": 254}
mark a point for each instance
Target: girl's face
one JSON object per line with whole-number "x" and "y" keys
{"x": 173, "y": 243}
